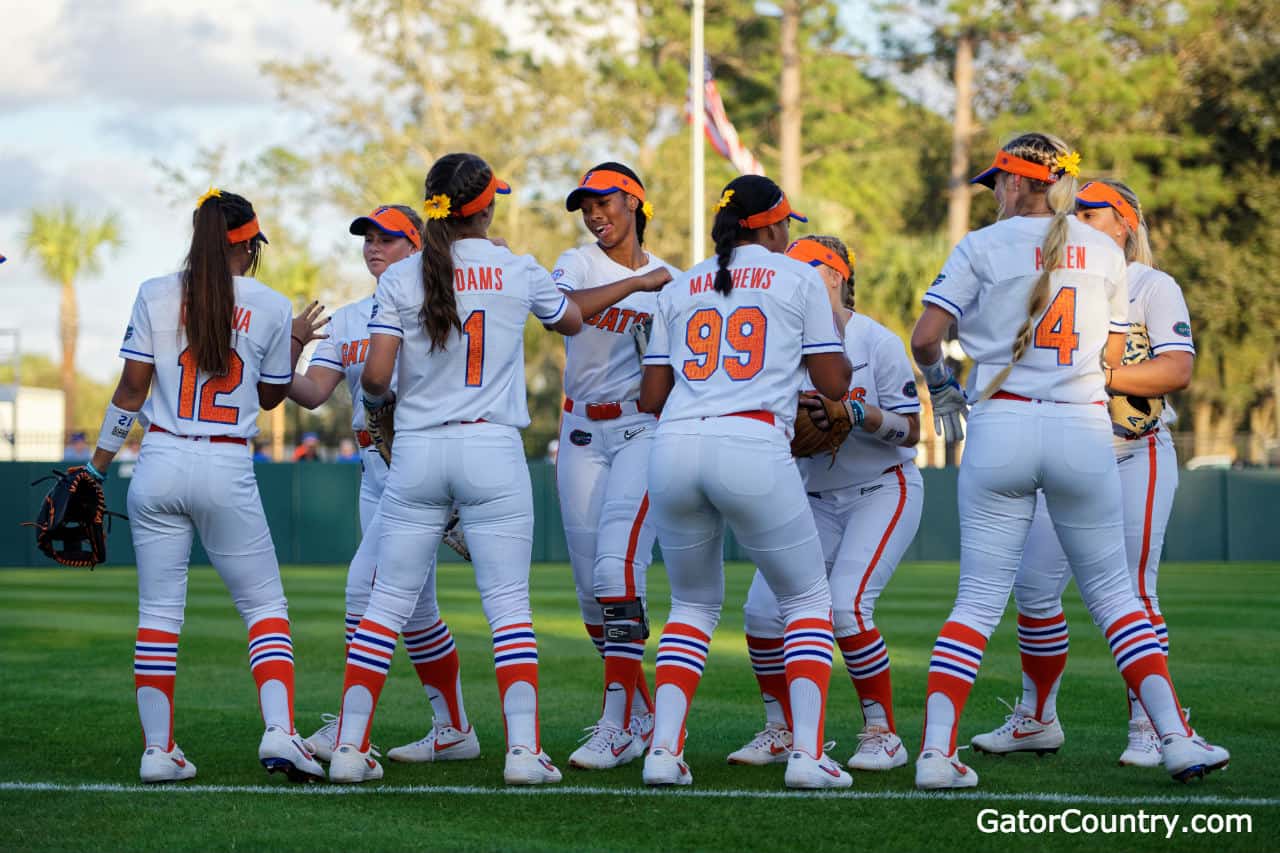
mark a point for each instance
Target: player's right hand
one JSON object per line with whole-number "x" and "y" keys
{"x": 653, "y": 280}
{"x": 307, "y": 325}
{"x": 949, "y": 408}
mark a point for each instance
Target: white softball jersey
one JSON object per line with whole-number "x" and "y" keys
{"x": 1155, "y": 301}
{"x": 741, "y": 352}
{"x": 346, "y": 349}
{"x": 187, "y": 401}
{"x": 985, "y": 285}
{"x": 882, "y": 377}
{"x": 479, "y": 375}
{"x": 600, "y": 361}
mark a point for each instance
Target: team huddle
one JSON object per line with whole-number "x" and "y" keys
{"x": 682, "y": 394}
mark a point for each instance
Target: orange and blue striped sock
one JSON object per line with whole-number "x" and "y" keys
{"x": 866, "y": 659}
{"x": 271, "y": 662}
{"x": 155, "y": 671}
{"x": 957, "y": 656}
{"x": 1043, "y": 645}
{"x": 515, "y": 662}
{"x": 435, "y": 658}
{"x": 682, "y": 655}
{"x": 767, "y": 663}
{"x": 368, "y": 660}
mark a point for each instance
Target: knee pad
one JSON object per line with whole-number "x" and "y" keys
{"x": 624, "y": 621}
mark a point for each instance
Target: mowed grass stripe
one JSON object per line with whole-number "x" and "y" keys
{"x": 319, "y": 790}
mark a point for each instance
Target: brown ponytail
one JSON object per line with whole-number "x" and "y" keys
{"x": 462, "y": 178}
{"x": 1061, "y": 198}
{"x": 208, "y": 289}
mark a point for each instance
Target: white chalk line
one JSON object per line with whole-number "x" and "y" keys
{"x": 595, "y": 791}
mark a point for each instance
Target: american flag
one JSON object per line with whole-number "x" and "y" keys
{"x": 719, "y": 129}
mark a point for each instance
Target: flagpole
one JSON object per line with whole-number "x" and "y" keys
{"x": 697, "y": 87}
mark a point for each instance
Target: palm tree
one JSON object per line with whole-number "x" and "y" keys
{"x": 67, "y": 246}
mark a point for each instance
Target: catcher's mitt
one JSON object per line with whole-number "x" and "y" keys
{"x": 69, "y": 525}
{"x": 810, "y": 439}
{"x": 380, "y": 422}
{"x": 640, "y": 331}
{"x": 1133, "y": 416}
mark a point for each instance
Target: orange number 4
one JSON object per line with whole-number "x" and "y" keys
{"x": 744, "y": 331}
{"x": 210, "y": 411}
{"x": 1057, "y": 328}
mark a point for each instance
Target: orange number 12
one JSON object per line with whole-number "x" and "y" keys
{"x": 210, "y": 411}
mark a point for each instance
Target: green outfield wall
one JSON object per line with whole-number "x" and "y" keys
{"x": 314, "y": 516}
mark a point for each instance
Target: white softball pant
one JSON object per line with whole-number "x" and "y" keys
{"x": 706, "y": 472}
{"x": 1148, "y": 482}
{"x": 864, "y": 530}
{"x": 481, "y": 468}
{"x": 602, "y": 478}
{"x": 1013, "y": 450}
{"x": 364, "y": 563}
{"x": 180, "y": 487}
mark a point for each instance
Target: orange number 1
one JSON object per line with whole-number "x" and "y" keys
{"x": 474, "y": 330}
{"x": 1057, "y": 328}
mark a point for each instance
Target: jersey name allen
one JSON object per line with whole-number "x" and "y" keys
{"x": 354, "y": 352}
{"x": 240, "y": 318}
{"x": 1072, "y": 258}
{"x": 760, "y": 278}
{"x": 477, "y": 278}
{"x": 616, "y": 319}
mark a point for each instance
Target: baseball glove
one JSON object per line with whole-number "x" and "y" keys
{"x": 1134, "y": 416}
{"x": 380, "y": 422}
{"x": 69, "y": 525}
{"x": 640, "y": 331}
{"x": 455, "y": 538}
{"x": 810, "y": 438}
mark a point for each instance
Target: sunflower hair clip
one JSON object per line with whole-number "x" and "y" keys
{"x": 1068, "y": 163}
{"x": 725, "y": 199}
{"x": 647, "y": 210}
{"x": 212, "y": 192}
{"x": 437, "y": 207}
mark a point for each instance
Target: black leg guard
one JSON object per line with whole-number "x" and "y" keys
{"x": 624, "y": 621}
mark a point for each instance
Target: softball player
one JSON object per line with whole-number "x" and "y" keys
{"x": 1148, "y": 469}
{"x": 602, "y": 464}
{"x": 866, "y": 503}
{"x": 391, "y": 233}
{"x": 206, "y": 347}
{"x": 1037, "y": 298}
{"x": 724, "y": 365}
{"x": 458, "y": 309}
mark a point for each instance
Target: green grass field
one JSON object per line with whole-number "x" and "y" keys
{"x": 69, "y": 743}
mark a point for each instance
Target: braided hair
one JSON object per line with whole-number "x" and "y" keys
{"x": 462, "y": 177}
{"x": 1061, "y": 197}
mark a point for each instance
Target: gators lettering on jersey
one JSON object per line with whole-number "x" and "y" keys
{"x": 479, "y": 375}
{"x": 882, "y": 377}
{"x": 346, "y": 349}
{"x": 985, "y": 285}
{"x": 741, "y": 352}
{"x": 600, "y": 361}
{"x": 187, "y": 401}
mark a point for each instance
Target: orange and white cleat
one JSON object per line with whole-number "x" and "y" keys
{"x": 350, "y": 766}
{"x": 526, "y": 767}
{"x": 161, "y": 766}
{"x": 935, "y": 770}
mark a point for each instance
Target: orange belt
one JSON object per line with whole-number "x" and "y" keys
{"x": 1018, "y": 398}
{"x": 602, "y": 411}
{"x": 212, "y": 439}
{"x": 755, "y": 415}
{"x": 363, "y": 438}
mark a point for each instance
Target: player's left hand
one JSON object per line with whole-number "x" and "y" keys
{"x": 817, "y": 412}
{"x": 307, "y": 325}
{"x": 653, "y": 280}
{"x": 949, "y": 407}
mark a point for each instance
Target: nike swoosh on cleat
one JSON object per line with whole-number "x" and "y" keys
{"x": 892, "y": 752}
{"x": 960, "y": 768}
{"x": 829, "y": 771}
{"x": 774, "y": 749}
{"x": 441, "y": 747}
{"x": 616, "y": 752}
{"x": 372, "y": 764}
{"x": 180, "y": 762}
{"x": 1021, "y": 735}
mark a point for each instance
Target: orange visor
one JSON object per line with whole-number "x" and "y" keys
{"x": 1006, "y": 162}
{"x": 780, "y": 211}
{"x": 815, "y": 254}
{"x": 483, "y": 200}
{"x": 1097, "y": 194}
{"x": 603, "y": 182}
{"x": 247, "y": 231}
{"x": 388, "y": 220}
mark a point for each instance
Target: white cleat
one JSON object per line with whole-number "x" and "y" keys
{"x": 771, "y": 745}
{"x": 281, "y": 752}
{"x": 641, "y": 727}
{"x": 805, "y": 771}
{"x": 1021, "y": 732}
{"x": 1188, "y": 758}
{"x": 935, "y": 770}
{"x": 350, "y": 766}
{"x": 526, "y": 767}
{"x": 325, "y": 740}
{"x": 160, "y": 766}
{"x": 878, "y": 749}
{"x": 605, "y": 747}
{"x": 442, "y": 743}
{"x": 663, "y": 767}
{"x": 1144, "y": 746}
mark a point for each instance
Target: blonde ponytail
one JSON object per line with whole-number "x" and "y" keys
{"x": 1061, "y": 198}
